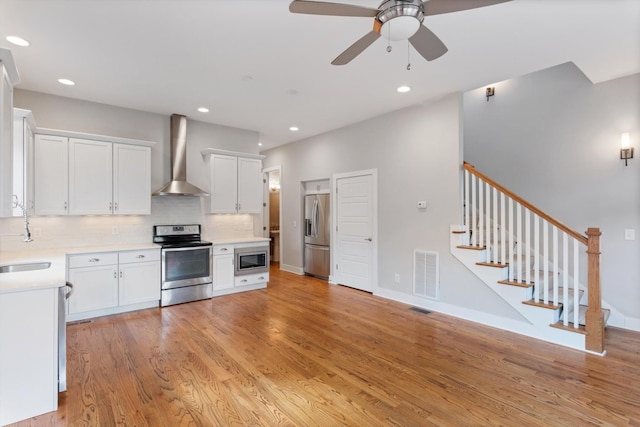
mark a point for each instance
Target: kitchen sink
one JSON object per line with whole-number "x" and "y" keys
{"x": 13, "y": 268}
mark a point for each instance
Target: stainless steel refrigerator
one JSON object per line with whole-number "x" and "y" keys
{"x": 317, "y": 256}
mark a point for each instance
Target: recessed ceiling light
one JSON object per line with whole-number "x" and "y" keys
{"x": 203, "y": 109}
{"x": 294, "y": 129}
{"x": 18, "y": 41}
{"x": 66, "y": 82}
{"x": 404, "y": 89}
{"x": 259, "y": 144}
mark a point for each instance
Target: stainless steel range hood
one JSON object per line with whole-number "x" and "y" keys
{"x": 178, "y": 186}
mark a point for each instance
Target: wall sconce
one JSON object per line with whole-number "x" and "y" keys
{"x": 626, "y": 150}
{"x": 490, "y": 92}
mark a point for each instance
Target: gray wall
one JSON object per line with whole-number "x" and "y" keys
{"x": 553, "y": 137}
{"x": 417, "y": 154}
{"x": 57, "y": 112}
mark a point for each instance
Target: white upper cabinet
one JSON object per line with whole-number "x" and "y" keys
{"x": 249, "y": 185}
{"x": 87, "y": 177}
{"x": 51, "y": 175}
{"x": 131, "y": 179}
{"x": 90, "y": 177}
{"x": 6, "y": 137}
{"x": 235, "y": 182}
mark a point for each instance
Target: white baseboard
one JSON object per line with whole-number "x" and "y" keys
{"x": 553, "y": 335}
{"x": 292, "y": 269}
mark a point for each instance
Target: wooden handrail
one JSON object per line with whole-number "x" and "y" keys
{"x": 580, "y": 237}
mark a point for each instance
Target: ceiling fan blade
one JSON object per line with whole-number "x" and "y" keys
{"x": 334, "y": 9}
{"x": 437, "y": 7}
{"x": 428, "y": 44}
{"x": 356, "y": 49}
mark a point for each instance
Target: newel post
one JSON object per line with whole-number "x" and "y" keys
{"x": 594, "y": 319}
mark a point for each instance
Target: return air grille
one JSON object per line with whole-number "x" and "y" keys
{"x": 426, "y": 275}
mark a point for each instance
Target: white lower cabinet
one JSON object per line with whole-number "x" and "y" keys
{"x": 112, "y": 282}
{"x": 224, "y": 279}
{"x": 139, "y": 277}
{"x": 28, "y": 354}
{"x": 223, "y": 272}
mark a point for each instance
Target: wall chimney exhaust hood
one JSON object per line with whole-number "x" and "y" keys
{"x": 178, "y": 186}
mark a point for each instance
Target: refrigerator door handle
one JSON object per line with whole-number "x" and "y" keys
{"x": 316, "y": 218}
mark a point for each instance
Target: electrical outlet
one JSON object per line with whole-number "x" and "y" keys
{"x": 629, "y": 234}
{"x": 114, "y": 230}
{"x": 396, "y": 278}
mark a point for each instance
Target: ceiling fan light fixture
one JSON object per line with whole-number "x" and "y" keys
{"x": 407, "y": 16}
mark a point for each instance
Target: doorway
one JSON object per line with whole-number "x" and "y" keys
{"x": 356, "y": 231}
{"x": 271, "y": 212}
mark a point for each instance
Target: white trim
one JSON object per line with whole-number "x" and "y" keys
{"x": 93, "y": 137}
{"x": 334, "y": 220}
{"x": 292, "y": 269}
{"x": 209, "y": 151}
{"x": 553, "y": 335}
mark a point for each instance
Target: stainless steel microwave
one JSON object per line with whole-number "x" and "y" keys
{"x": 251, "y": 260}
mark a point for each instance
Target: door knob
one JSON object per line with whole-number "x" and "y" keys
{"x": 369, "y": 239}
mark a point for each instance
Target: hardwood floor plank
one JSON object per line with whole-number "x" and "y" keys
{"x": 305, "y": 353}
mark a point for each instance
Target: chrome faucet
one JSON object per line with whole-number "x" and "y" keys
{"x": 25, "y": 216}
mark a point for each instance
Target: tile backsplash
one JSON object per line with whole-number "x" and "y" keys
{"x": 77, "y": 231}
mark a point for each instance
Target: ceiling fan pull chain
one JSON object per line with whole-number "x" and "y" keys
{"x": 389, "y": 48}
{"x": 408, "y": 58}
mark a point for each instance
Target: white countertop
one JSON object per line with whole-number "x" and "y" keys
{"x": 55, "y": 276}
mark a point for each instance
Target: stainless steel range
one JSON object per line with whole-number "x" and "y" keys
{"x": 186, "y": 264}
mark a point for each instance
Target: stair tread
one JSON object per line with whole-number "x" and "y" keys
{"x": 516, "y": 283}
{"x": 492, "y": 264}
{"x": 581, "y": 318}
{"x": 541, "y": 304}
{"x": 477, "y": 248}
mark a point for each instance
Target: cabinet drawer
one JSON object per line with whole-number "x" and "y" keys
{"x": 223, "y": 249}
{"x": 251, "y": 279}
{"x": 144, "y": 255}
{"x": 93, "y": 259}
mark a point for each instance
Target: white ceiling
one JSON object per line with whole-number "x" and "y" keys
{"x": 257, "y": 66}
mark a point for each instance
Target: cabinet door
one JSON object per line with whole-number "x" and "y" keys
{"x": 51, "y": 175}
{"x": 90, "y": 177}
{"x": 223, "y": 274}
{"x": 249, "y": 185}
{"x": 28, "y": 354}
{"x": 224, "y": 187}
{"x": 131, "y": 180}
{"x": 6, "y": 136}
{"x": 139, "y": 282}
{"x": 94, "y": 288}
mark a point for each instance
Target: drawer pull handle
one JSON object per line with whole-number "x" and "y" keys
{"x": 94, "y": 260}
{"x": 243, "y": 280}
{"x": 261, "y": 278}
{"x": 223, "y": 249}
{"x": 140, "y": 256}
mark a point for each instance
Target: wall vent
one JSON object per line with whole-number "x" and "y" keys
{"x": 426, "y": 274}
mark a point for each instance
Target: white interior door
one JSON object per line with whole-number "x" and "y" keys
{"x": 355, "y": 263}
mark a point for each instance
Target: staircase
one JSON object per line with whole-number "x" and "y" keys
{"x": 534, "y": 262}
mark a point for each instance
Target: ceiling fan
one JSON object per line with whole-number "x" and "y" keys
{"x": 394, "y": 19}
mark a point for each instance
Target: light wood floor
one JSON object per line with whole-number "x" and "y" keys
{"x": 305, "y": 353}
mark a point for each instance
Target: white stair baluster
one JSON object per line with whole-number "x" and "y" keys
{"x": 545, "y": 260}
{"x": 519, "y": 240}
{"x": 494, "y": 243}
{"x": 565, "y": 279}
{"x": 474, "y": 208}
{"x": 480, "y": 213}
{"x": 467, "y": 221}
{"x": 511, "y": 231}
{"x": 556, "y": 267}
{"x": 576, "y": 283}
{"x": 536, "y": 257}
{"x": 487, "y": 218}
{"x": 527, "y": 243}
{"x": 503, "y": 227}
